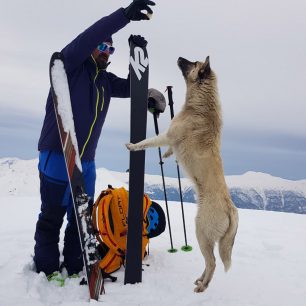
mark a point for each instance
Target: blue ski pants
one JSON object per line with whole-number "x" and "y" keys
{"x": 56, "y": 201}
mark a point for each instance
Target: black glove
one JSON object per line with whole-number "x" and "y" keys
{"x": 138, "y": 40}
{"x": 133, "y": 11}
{"x": 156, "y": 101}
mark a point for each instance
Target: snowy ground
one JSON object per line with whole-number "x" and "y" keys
{"x": 269, "y": 266}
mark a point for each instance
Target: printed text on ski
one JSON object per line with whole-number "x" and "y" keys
{"x": 139, "y": 62}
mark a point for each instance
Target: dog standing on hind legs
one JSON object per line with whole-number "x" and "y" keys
{"x": 194, "y": 137}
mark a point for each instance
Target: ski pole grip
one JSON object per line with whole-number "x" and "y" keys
{"x": 170, "y": 98}
{"x": 155, "y": 124}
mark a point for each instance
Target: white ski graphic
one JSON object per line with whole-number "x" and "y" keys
{"x": 139, "y": 62}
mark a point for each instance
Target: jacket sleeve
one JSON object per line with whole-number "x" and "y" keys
{"x": 120, "y": 88}
{"x": 76, "y": 52}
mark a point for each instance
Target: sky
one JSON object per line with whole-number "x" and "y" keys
{"x": 257, "y": 50}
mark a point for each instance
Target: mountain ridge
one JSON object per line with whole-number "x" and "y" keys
{"x": 251, "y": 190}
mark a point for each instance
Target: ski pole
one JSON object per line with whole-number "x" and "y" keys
{"x": 172, "y": 250}
{"x": 186, "y": 247}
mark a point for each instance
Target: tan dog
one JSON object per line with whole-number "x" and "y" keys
{"x": 194, "y": 137}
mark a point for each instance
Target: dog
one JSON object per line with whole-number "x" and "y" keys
{"x": 194, "y": 137}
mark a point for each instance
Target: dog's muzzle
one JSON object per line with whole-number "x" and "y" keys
{"x": 184, "y": 65}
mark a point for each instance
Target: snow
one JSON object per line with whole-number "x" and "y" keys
{"x": 61, "y": 88}
{"x": 268, "y": 259}
{"x": 264, "y": 181}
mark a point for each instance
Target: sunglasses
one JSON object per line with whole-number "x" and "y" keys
{"x": 105, "y": 47}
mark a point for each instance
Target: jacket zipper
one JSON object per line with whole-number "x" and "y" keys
{"x": 96, "y": 112}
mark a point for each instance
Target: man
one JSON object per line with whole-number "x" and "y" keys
{"x": 91, "y": 88}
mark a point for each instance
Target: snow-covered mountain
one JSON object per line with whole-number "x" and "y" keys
{"x": 251, "y": 190}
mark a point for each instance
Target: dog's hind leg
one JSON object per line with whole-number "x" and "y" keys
{"x": 227, "y": 241}
{"x": 157, "y": 141}
{"x": 168, "y": 153}
{"x": 207, "y": 249}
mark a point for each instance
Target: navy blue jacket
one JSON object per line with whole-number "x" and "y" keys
{"x": 90, "y": 88}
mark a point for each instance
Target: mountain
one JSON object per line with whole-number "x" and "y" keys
{"x": 251, "y": 190}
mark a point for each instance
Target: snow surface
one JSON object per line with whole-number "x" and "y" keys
{"x": 268, "y": 266}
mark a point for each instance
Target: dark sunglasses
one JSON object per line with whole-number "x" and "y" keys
{"x": 105, "y": 47}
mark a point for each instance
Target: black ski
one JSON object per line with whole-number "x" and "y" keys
{"x": 139, "y": 74}
{"x": 64, "y": 117}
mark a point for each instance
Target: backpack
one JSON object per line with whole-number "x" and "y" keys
{"x": 109, "y": 218}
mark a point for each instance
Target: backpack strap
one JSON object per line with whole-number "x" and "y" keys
{"x": 113, "y": 256}
{"x": 104, "y": 221}
{"x": 119, "y": 210}
{"x": 146, "y": 206}
{"x": 110, "y": 262}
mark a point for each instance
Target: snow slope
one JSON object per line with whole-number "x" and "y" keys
{"x": 268, "y": 261}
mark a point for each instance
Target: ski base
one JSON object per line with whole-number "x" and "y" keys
{"x": 64, "y": 117}
{"x": 139, "y": 69}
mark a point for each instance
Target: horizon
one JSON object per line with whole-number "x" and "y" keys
{"x": 252, "y": 190}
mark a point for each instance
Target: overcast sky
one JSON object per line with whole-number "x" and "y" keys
{"x": 257, "y": 48}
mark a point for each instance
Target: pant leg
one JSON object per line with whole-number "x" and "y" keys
{"x": 73, "y": 260}
{"x": 50, "y": 220}
{"x": 53, "y": 190}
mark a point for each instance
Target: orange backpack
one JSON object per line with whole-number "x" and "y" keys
{"x": 110, "y": 223}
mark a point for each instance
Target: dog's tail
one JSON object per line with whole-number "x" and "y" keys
{"x": 227, "y": 241}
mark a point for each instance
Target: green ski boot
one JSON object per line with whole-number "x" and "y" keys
{"x": 56, "y": 278}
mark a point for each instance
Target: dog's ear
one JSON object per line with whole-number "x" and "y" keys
{"x": 205, "y": 70}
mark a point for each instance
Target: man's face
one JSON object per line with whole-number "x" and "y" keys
{"x": 102, "y": 53}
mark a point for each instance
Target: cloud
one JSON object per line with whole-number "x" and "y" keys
{"x": 275, "y": 153}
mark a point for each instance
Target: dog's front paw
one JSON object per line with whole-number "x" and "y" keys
{"x": 130, "y": 146}
{"x": 200, "y": 287}
{"x": 135, "y": 146}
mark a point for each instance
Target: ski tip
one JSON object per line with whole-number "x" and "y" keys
{"x": 56, "y": 56}
{"x": 186, "y": 248}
